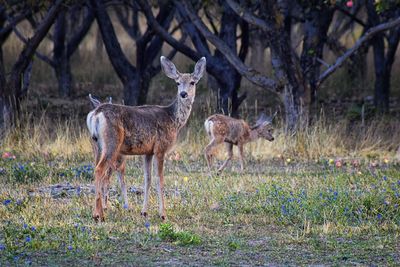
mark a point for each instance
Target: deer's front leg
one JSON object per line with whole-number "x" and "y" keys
{"x": 160, "y": 185}
{"x": 148, "y": 159}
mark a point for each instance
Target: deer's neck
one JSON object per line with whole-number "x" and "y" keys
{"x": 253, "y": 135}
{"x": 181, "y": 109}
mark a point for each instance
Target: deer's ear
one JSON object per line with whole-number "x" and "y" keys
{"x": 261, "y": 119}
{"x": 199, "y": 68}
{"x": 169, "y": 68}
{"x": 94, "y": 101}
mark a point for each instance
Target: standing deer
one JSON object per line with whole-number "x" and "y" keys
{"x": 221, "y": 128}
{"x": 150, "y": 131}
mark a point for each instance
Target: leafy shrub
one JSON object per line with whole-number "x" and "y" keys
{"x": 184, "y": 238}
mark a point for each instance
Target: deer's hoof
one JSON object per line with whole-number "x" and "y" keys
{"x": 98, "y": 218}
{"x": 144, "y": 214}
{"x": 163, "y": 218}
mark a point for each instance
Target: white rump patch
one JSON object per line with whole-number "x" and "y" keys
{"x": 209, "y": 127}
{"x": 96, "y": 124}
{"x": 90, "y": 122}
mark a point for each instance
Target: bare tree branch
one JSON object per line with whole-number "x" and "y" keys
{"x": 37, "y": 53}
{"x": 81, "y": 31}
{"x": 251, "y": 74}
{"x": 164, "y": 34}
{"x": 13, "y": 21}
{"x": 248, "y": 16}
{"x": 368, "y": 35}
{"x": 351, "y": 15}
{"x": 211, "y": 21}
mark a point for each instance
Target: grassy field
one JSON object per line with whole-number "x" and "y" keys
{"x": 317, "y": 198}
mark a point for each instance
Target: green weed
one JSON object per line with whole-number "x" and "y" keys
{"x": 167, "y": 233}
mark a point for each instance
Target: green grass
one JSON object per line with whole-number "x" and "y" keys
{"x": 275, "y": 213}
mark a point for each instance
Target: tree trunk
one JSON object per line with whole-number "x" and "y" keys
{"x": 13, "y": 92}
{"x": 64, "y": 77}
{"x": 229, "y": 79}
{"x": 292, "y": 107}
{"x": 257, "y": 58}
{"x": 60, "y": 56}
{"x": 382, "y": 69}
{"x": 126, "y": 72}
{"x": 5, "y": 97}
{"x": 315, "y": 32}
{"x": 293, "y": 93}
{"x": 131, "y": 90}
{"x": 144, "y": 85}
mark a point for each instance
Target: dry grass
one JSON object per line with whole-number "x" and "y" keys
{"x": 378, "y": 139}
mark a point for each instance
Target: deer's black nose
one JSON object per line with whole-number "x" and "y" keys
{"x": 183, "y": 94}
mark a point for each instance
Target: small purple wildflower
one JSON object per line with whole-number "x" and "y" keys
{"x": 69, "y": 247}
{"x": 284, "y": 210}
{"x": 147, "y": 225}
{"x": 33, "y": 228}
{"x": 2, "y": 247}
{"x": 384, "y": 178}
{"x": 7, "y": 202}
{"x": 126, "y": 206}
{"x": 28, "y": 239}
{"x": 25, "y": 226}
{"x": 76, "y": 225}
{"x": 379, "y": 216}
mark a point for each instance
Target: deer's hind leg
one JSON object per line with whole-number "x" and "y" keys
{"x": 229, "y": 147}
{"x": 208, "y": 151}
{"x": 109, "y": 144}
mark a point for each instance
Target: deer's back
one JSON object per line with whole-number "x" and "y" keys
{"x": 145, "y": 129}
{"x": 231, "y": 130}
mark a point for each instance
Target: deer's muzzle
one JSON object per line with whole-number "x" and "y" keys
{"x": 183, "y": 94}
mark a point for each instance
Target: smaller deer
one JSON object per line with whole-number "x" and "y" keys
{"x": 224, "y": 129}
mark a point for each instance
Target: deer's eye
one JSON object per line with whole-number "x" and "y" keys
{"x": 192, "y": 83}
{"x": 178, "y": 84}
